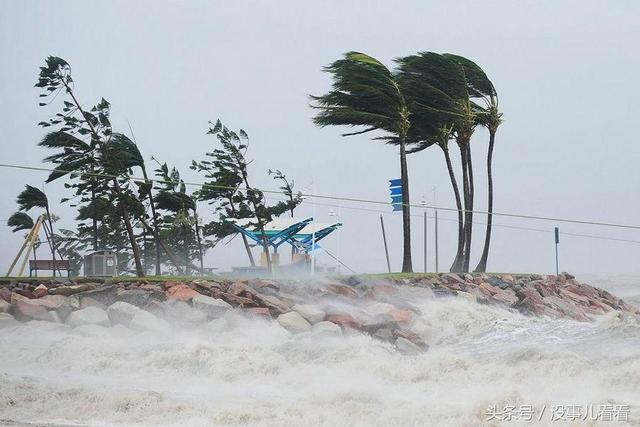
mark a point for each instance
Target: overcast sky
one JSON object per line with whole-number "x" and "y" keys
{"x": 566, "y": 72}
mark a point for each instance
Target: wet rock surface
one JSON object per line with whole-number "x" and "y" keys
{"x": 330, "y": 307}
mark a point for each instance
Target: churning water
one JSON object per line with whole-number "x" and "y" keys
{"x": 240, "y": 371}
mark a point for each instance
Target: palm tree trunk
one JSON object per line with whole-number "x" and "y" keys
{"x": 94, "y": 219}
{"x": 51, "y": 239}
{"x": 185, "y": 241}
{"x": 482, "y": 265}
{"x": 406, "y": 211}
{"x": 132, "y": 237}
{"x": 156, "y": 234}
{"x": 465, "y": 197}
{"x": 468, "y": 223}
{"x": 200, "y": 253}
{"x": 455, "y": 267}
{"x": 244, "y": 238}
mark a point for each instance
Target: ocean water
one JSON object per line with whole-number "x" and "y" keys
{"x": 484, "y": 362}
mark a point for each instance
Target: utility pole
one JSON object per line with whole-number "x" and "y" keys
{"x": 435, "y": 209}
{"x": 386, "y": 250}
{"x": 557, "y": 234}
{"x": 423, "y": 202}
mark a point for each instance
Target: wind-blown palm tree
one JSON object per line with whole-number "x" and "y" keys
{"x": 366, "y": 94}
{"x": 20, "y": 221}
{"x": 30, "y": 198}
{"x": 438, "y": 96}
{"x": 482, "y": 90}
{"x": 492, "y": 120}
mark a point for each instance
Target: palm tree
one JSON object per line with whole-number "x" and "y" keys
{"x": 20, "y": 221}
{"x": 481, "y": 89}
{"x": 437, "y": 94}
{"x": 492, "y": 121}
{"x": 30, "y": 198}
{"x": 366, "y": 94}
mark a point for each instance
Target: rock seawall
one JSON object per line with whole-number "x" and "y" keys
{"x": 375, "y": 305}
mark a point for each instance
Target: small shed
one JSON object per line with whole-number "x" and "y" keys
{"x": 101, "y": 264}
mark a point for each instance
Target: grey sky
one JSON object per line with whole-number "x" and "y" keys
{"x": 566, "y": 73}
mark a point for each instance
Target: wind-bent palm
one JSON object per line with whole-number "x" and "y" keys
{"x": 366, "y": 94}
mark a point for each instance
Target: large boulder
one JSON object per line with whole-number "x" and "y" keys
{"x": 40, "y": 291}
{"x": 137, "y": 297}
{"x": 24, "y": 311}
{"x": 90, "y": 302}
{"x": 5, "y": 294}
{"x": 212, "y": 306}
{"x": 310, "y": 312}
{"x": 105, "y": 294}
{"x": 294, "y": 322}
{"x": 181, "y": 292}
{"x": 89, "y": 315}
{"x": 51, "y": 302}
{"x": 506, "y": 296}
{"x": 274, "y": 304}
{"x": 4, "y": 306}
{"x": 70, "y": 290}
{"x": 325, "y": 328}
{"x": 145, "y": 321}
{"x": 345, "y": 320}
{"x": 122, "y": 313}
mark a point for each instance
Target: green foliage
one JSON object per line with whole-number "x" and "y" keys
{"x": 30, "y": 198}
{"x": 20, "y": 221}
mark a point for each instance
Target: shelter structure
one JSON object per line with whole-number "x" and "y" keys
{"x": 301, "y": 233}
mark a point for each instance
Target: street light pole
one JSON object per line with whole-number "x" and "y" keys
{"x": 435, "y": 204}
{"x": 423, "y": 202}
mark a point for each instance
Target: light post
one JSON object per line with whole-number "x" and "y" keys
{"x": 333, "y": 214}
{"x": 423, "y": 203}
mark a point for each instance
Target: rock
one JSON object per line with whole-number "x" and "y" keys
{"x": 384, "y": 334}
{"x": 212, "y": 306}
{"x": 25, "y": 293}
{"x": 122, "y": 313}
{"x": 145, "y": 321}
{"x": 90, "y": 302}
{"x": 565, "y": 307}
{"x": 575, "y": 297}
{"x": 89, "y": 315}
{"x": 238, "y": 288}
{"x": 405, "y": 346}
{"x": 69, "y": 290}
{"x": 401, "y": 316}
{"x": 24, "y": 311}
{"x": 181, "y": 292}
{"x": 506, "y": 296}
{"x": 4, "y": 306}
{"x": 325, "y": 328}
{"x": 508, "y": 278}
{"x": 137, "y": 297}
{"x": 105, "y": 294}
{"x": 468, "y": 296}
{"x": 170, "y": 284}
{"x": 155, "y": 307}
{"x": 180, "y": 312}
{"x": 490, "y": 289}
{"x": 52, "y": 302}
{"x": 40, "y": 291}
{"x": 259, "y": 311}
{"x": 264, "y": 283}
{"x": 5, "y": 294}
{"x": 310, "y": 312}
{"x": 442, "y": 292}
{"x": 344, "y": 290}
{"x": 353, "y": 281}
{"x": 294, "y": 322}
{"x": 380, "y": 308}
{"x": 345, "y": 320}
{"x": 274, "y": 304}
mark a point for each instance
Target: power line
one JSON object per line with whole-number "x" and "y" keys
{"x": 322, "y": 196}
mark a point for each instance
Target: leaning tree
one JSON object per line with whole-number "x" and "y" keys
{"x": 366, "y": 94}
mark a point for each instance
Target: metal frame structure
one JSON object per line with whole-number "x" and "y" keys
{"x": 300, "y": 233}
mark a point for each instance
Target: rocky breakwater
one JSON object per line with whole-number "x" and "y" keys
{"x": 382, "y": 308}
{"x": 560, "y": 296}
